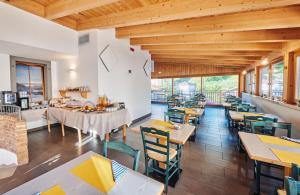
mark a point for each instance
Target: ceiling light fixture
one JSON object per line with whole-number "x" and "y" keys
{"x": 265, "y": 61}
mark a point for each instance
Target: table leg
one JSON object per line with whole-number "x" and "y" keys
{"x": 48, "y": 122}
{"x": 257, "y": 173}
{"x": 186, "y": 119}
{"x": 63, "y": 129}
{"x": 287, "y": 171}
{"x": 79, "y": 135}
{"x": 124, "y": 133}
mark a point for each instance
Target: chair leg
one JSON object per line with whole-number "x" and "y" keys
{"x": 166, "y": 181}
{"x": 146, "y": 167}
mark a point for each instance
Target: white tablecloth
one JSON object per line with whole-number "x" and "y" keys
{"x": 33, "y": 115}
{"x": 101, "y": 123}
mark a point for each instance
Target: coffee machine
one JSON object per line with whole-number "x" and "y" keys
{"x": 23, "y": 100}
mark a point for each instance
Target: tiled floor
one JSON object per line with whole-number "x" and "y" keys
{"x": 211, "y": 164}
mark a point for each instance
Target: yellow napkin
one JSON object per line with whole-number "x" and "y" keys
{"x": 55, "y": 190}
{"x": 276, "y": 140}
{"x": 163, "y": 124}
{"x": 97, "y": 171}
{"x": 287, "y": 157}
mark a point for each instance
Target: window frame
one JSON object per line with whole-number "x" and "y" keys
{"x": 276, "y": 61}
{"x": 252, "y": 81}
{"x": 28, "y": 65}
{"x": 260, "y": 79}
{"x": 46, "y": 76}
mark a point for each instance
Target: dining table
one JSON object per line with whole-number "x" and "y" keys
{"x": 239, "y": 116}
{"x": 177, "y": 136}
{"x": 99, "y": 123}
{"x": 66, "y": 179}
{"x": 191, "y": 112}
{"x": 272, "y": 150}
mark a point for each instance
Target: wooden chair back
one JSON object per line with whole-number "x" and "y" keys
{"x": 124, "y": 148}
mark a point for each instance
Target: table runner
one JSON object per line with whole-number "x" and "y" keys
{"x": 277, "y": 141}
{"x": 101, "y": 123}
{"x": 287, "y": 157}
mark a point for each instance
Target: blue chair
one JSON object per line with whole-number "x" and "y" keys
{"x": 124, "y": 148}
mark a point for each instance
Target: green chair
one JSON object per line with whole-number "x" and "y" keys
{"x": 124, "y": 148}
{"x": 292, "y": 184}
{"x": 157, "y": 149}
{"x": 269, "y": 127}
{"x": 295, "y": 172}
{"x": 175, "y": 115}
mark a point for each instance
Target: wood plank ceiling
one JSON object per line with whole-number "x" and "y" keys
{"x": 219, "y": 33}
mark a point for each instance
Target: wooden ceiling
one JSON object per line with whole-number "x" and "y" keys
{"x": 222, "y": 33}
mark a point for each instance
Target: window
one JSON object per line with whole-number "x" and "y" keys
{"x": 250, "y": 82}
{"x": 264, "y": 80}
{"x": 277, "y": 79}
{"x": 30, "y": 78}
{"x": 161, "y": 89}
{"x": 187, "y": 86}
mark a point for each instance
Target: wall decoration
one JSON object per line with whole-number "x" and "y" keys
{"x": 147, "y": 68}
{"x": 108, "y": 58}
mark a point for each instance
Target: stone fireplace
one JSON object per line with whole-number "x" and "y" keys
{"x": 13, "y": 137}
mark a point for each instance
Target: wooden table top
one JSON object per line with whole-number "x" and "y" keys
{"x": 239, "y": 116}
{"x": 226, "y": 104}
{"x": 178, "y": 136}
{"x": 192, "y": 111}
{"x": 260, "y": 151}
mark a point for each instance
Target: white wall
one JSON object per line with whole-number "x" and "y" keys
{"x": 4, "y": 72}
{"x": 286, "y": 112}
{"x": 118, "y": 85}
{"x": 18, "y": 26}
{"x": 25, "y": 35}
{"x": 134, "y": 89}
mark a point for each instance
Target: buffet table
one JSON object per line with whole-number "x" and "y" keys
{"x": 100, "y": 123}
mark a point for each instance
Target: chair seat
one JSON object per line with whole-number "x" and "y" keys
{"x": 161, "y": 157}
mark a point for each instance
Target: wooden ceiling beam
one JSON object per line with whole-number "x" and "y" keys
{"x": 274, "y": 35}
{"x": 204, "y": 61}
{"x": 178, "y": 10}
{"x": 202, "y": 57}
{"x": 198, "y": 64}
{"x": 61, "y": 8}
{"x": 29, "y": 6}
{"x": 218, "y": 47}
{"x": 285, "y": 17}
{"x": 68, "y": 22}
{"x": 211, "y": 53}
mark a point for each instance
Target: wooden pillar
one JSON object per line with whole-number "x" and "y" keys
{"x": 201, "y": 85}
{"x": 289, "y": 78}
{"x": 257, "y": 80}
{"x": 240, "y": 86}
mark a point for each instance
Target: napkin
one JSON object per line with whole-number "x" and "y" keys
{"x": 55, "y": 190}
{"x": 96, "y": 171}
